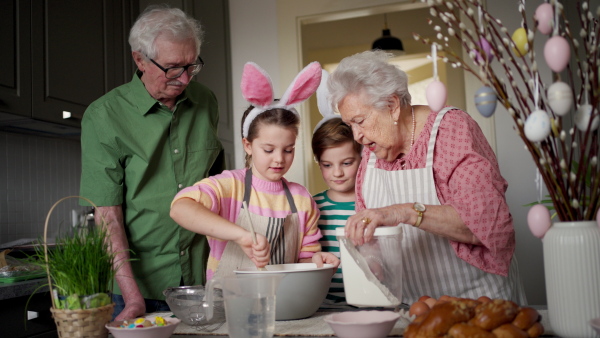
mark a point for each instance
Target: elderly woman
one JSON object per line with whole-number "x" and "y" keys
{"x": 433, "y": 174}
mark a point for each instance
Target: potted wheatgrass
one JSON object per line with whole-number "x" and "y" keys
{"x": 80, "y": 274}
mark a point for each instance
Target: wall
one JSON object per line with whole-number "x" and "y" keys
{"x": 35, "y": 172}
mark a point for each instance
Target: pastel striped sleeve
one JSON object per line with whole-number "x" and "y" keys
{"x": 203, "y": 192}
{"x": 220, "y": 193}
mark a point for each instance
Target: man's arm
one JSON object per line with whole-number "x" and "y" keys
{"x": 112, "y": 218}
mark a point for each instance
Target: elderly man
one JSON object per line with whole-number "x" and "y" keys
{"x": 141, "y": 143}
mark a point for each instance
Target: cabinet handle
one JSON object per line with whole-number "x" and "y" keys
{"x": 68, "y": 115}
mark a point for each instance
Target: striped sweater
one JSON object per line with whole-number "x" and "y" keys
{"x": 223, "y": 194}
{"x": 333, "y": 215}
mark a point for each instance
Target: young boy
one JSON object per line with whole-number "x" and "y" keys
{"x": 338, "y": 156}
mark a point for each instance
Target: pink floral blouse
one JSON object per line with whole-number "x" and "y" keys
{"x": 467, "y": 178}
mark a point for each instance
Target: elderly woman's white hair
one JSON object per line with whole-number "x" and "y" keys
{"x": 369, "y": 73}
{"x": 162, "y": 20}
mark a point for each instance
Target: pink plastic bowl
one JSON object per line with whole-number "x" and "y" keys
{"x": 362, "y": 324}
{"x": 146, "y": 332}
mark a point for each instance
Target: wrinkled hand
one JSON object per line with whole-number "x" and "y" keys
{"x": 360, "y": 227}
{"x": 259, "y": 253}
{"x": 321, "y": 258}
{"x": 132, "y": 310}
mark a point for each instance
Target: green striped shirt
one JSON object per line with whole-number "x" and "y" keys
{"x": 333, "y": 215}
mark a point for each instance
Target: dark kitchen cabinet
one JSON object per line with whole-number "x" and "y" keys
{"x": 60, "y": 55}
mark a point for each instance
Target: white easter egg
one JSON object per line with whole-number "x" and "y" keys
{"x": 544, "y": 15}
{"x": 436, "y": 95}
{"x": 583, "y": 115}
{"x": 560, "y": 98}
{"x": 557, "y": 53}
{"x": 538, "y": 219}
{"x": 537, "y": 126}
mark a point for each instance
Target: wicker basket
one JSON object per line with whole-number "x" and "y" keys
{"x": 82, "y": 322}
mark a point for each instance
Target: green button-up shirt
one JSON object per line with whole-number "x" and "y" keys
{"x": 139, "y": 154}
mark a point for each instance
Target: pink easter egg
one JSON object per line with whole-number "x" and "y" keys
{"x": 485, "y": 46}
{"x": 544, "y": 15}
{"x": 538, "y": 219}
{"x": 557, "y": 53}
{"x": 436, "y": 95}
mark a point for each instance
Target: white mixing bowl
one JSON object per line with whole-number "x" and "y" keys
{"x": 302, "y": 289}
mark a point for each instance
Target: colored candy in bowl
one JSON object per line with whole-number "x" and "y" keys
{"x": 301, "y": 290}
{"x": 147, "y": 327}
{"x": 362, "y": 324}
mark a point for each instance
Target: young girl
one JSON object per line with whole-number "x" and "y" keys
{"x": 284, "y": 215}
{"x": 338, "y": 156}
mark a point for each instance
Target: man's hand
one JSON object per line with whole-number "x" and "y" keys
{"x": 132, "y": 310}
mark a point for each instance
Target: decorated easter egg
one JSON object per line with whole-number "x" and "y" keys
{"x": 557, "y": 53}
{"x": 485, "y": 101}
{"x": 436, "y": 95}
{"x": 485, "y": 46}
{"x": 538, "y": 219}
{"x": 582, "y": 118}
{"x": 544, "y": 16}
{"x": 519, "y": 37}
{"x": 537, "y": 126}
{"x": 560, "y": 98}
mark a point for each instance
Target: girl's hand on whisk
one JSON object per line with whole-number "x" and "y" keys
{"x": 259, "y": 253}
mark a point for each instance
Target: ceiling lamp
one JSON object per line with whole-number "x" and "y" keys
{"x": 387, "y": 42}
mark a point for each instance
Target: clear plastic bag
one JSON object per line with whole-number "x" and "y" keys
{"x": 380, "y": 260}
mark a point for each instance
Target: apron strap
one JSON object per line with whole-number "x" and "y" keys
{"x": 248, "y": 191}
{"x": 290, "y": 199}
{"x": 248, "y": 185}
{"x": 433, "y": 135}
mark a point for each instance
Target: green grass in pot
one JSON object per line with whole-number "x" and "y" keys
{"x": 81, "y": 269}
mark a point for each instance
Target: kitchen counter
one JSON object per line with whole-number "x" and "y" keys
{"x": 22, "y": 288}
{"x": 293, "y": 329}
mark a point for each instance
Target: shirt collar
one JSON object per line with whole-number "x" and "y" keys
{"x": 145, "y": 102}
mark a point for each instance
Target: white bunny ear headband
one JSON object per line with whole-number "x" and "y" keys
{"x": 258, "y": 90}
{"x": 324, "y": 101}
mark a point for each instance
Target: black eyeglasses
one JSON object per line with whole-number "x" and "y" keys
{"x": 175, "y": 72}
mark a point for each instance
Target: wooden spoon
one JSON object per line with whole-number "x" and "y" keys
{"x": 251, "y": 228}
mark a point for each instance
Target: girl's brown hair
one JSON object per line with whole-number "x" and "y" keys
{"x": 331, "y": 134}
{"x": 276, "y": 116}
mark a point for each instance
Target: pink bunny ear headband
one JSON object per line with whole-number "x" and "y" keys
{"x": 258, "y": 90}
{"x": 324, "y": 101}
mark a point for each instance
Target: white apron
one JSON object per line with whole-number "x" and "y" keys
{"x": 283, "y": 235}
{"x": 430, "y": 264}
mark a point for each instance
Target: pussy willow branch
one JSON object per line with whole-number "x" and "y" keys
{"x": 554, "y": 158}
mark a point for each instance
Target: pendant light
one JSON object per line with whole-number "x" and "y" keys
{"x": 388, "y": 42}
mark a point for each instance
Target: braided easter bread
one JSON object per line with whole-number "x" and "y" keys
{"x": 461, "y": 317}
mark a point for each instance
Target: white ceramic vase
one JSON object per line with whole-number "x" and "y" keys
{"x": 572, "y": 270}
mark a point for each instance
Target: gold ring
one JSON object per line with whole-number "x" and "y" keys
{"x": 366, "y": 220}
